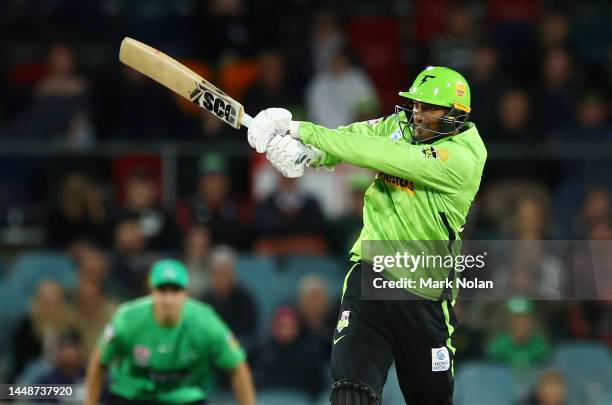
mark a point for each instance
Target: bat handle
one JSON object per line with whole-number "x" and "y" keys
{"x": 246, "y": 120}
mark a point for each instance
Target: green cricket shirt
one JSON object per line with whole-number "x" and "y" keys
{"x": 166, "y": 364}
{"x": 421, "y": 192}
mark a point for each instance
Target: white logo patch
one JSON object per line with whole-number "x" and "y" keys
{"x": 344, "y": 321}
{"x": 397, "y": 135}
{"x": 440, "y": 359}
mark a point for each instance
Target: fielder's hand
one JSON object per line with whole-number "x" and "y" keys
{"x": 268, "y": 124}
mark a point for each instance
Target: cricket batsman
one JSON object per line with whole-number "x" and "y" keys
{"x": 161, "y": 349}
{"x": 429, "y": 160}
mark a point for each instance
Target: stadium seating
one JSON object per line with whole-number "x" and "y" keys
{"x": 392, "y": 394}
{"x": 325, "y": 267}
{"x": 31, "y": 268}
{"x": 588, "y": 369}
{"x": 484, "y": 383}
{"x": 269, "y": 287}
{"x": 282, "y": 397}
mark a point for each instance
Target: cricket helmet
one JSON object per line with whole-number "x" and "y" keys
{"x": 438, "y": 86}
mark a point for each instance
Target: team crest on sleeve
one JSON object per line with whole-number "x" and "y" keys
{"x": 432, "y": 153}
{"x": 344, "y": 321}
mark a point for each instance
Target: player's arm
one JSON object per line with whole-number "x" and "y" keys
{"x": 227, "y": 354}
{"x": 242, "y": 384}
{"x": 365, "y": 147}
{"x": 109, "y": 348}
{"x": 94, "y": 381}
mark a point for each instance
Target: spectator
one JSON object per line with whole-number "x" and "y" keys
{"x": 521, "y": 346}
{"x": 316, "y": 312}
{"x": 530, "y": 271}
{"x": 489, "y": 83}
{"x": 341, "y": 95}
{"x": 231, "y": 301}
{"x": 212, "y": 206}
{"x": 271, "y": 88}
{"x": 591, "y": 125}
{"x": 60, "y": 108}
{"x": 288, "y": 359}
{"x": 93, "y": 310}
{"x": 93, "y": 264}
{"x": 69, "y": 361}
{"x": 36, "y": 335}
{"x": 196, "y": 258}
{"x": 455, "y": 47}
{"x": 144, "y": 110}
{"x": 326, "y": 39}
{"x": 551, "y": 389}
{"x": 289, "y": 221}
{"x": 78, "y": 215}
{"x": 131, "y": 260}
{"x": 514, "y": 118}
{"x": 346, "y": 229}
{"x": 554, "y": 99}
{"x": 596, "y": 209}
{"x": 142, "y": 203}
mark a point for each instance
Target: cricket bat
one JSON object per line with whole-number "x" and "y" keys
{"x": 183, "y": 81}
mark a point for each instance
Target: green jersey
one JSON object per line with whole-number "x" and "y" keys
{"x": 166, "y": 364}
{"x": 421, "y": 192}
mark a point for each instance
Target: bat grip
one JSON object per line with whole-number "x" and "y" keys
{"x": 246, "y": 120}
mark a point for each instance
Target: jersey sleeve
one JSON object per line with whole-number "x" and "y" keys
{"x": 110, "y": 344}
{"x": 441, "y": 168}
{"x": 371, "y": 127}
{"x": 226, "y": 350}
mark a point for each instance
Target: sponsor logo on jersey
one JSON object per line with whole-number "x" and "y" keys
{"x": 397, "y": 135}
{"x": 344, "y": 321}
{"x": 397, "y": 182}
{"x": 141, "y": 354}
{"x": 440, "y": 359}
{"x": 205, "y": 99}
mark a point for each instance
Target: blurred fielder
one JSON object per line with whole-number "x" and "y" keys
{"x": 429, "y": 160}
{"x": 162, "y": 348}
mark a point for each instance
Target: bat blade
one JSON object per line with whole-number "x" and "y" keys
{"x": 182, "y": 80}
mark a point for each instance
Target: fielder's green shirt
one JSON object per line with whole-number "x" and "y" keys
{"x": 421, "y": 192}
{"x": 166, "y": 364}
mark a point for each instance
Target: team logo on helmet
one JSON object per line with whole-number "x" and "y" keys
{"x": 460, "y": 89}
{"x": 425, "y": 78}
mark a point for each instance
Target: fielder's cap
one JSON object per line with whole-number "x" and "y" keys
{"x": 168, "y": 272}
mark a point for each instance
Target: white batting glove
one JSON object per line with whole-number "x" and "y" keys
{"x": 287, "y": 155}
{"x": 266, "y": 125}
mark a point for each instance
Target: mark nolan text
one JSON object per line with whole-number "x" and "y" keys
{"x": 403, "y": 282}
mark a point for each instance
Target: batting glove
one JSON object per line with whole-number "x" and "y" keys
{"x": 266, "y": 125}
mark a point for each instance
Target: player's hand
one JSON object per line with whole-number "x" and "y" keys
{"x": 266, "y": 125}
{"x": 287, "y": 155}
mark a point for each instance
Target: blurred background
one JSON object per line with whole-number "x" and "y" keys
{"x": 102, "y": 171}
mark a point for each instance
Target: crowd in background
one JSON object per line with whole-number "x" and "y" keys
{"x": 539, "y": 71}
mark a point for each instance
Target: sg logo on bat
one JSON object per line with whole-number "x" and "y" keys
{"x": 204, "y": 98}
